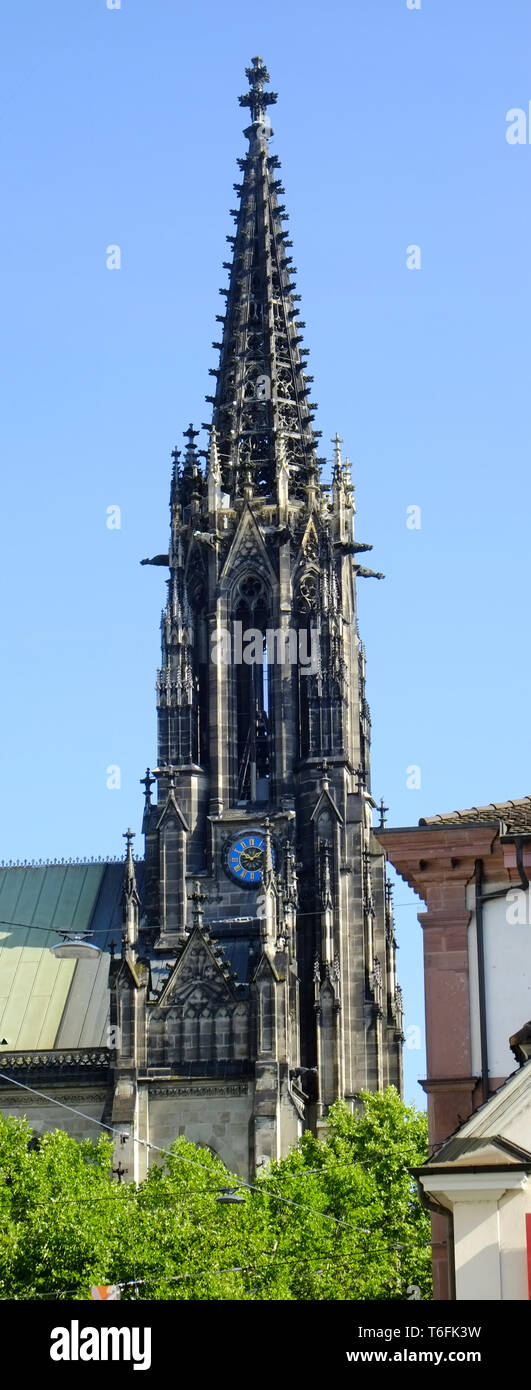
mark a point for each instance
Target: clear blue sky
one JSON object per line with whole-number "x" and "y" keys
{"x": 122, "y": 126}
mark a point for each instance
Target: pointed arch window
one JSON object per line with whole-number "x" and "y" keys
{"x": 306, "y": 608}
{"x": 252, "y": 690}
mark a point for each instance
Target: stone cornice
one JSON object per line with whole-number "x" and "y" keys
{"x": 428, "y": 856}
{"x": 238, "y": 1088}
{"x": 448, "y": 1083}
{"x": 11, "y": 1099}
{"x": 60, "y": 1059}
{"x": 443, "y": 918}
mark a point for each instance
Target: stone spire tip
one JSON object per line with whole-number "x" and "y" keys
{"x": 129, "y": 871}
{"x": 256, "y": 98}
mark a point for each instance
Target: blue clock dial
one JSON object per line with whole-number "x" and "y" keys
{"x": 245, "y": 858}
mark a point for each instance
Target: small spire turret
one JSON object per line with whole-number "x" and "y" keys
{"x": 130, "y": 900}
{"x": 213, "y": 474}
{"x": 197, "y": 898}
{"x": 337, "y": 475}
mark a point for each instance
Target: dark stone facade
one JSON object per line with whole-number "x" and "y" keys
{"x": 287, "y": 976}
{"x": 256, "y": 981}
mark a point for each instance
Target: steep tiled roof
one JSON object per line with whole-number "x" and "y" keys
{"x": 516, "y": 815}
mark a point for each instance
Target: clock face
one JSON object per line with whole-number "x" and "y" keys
{"x": 245, "y": 858}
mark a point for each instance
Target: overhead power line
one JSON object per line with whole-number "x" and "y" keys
{"x": 194, "y": 1162}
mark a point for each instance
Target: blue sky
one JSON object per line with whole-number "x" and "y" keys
{"x": 123, "y": 127}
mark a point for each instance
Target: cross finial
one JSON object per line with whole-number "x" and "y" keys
{"x": 324, "y": 767}
{"x": 256, "y": 98}
{"x": 168, "y": 772}
{"x": 338, "y": 466}
{"x": 190, "y": 434}
{"x": 382, "y": 809}
{"x": 360, "y": 774}
{"x": 130, "y": 894}
{"x": 197, "y": 898}
{"x": 147, "y": 783}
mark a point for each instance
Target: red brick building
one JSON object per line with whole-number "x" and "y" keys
{"x": 472, "y": 870}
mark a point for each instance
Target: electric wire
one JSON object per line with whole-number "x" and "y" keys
{"x": 104, "y": 931}
{"x": 146, "y": 1143}
{"x": 200, "y": 1193}
{"x": 200, "y": 1277}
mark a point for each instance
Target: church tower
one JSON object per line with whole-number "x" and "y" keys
{"x": 266, "y": 922}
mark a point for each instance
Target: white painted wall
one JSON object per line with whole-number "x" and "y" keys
{"x": 508, "y": 981}
{"x": 489, "y": 1212}
{"x": 513, "y": 1209}
{"x": 477, "y": 1239}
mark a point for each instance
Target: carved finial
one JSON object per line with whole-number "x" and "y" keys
{"x": 197, "y": 898}
{"x": 191, "y": 470}
{"x": 267, "y": 875}
{"x": 324, "y": 766}
{"x": 214, "y": 470}
{"x": 338, "y": 467}
{"x": 347, "y": 474}
{"x": 247, "y": 481}
{"x": 282, "y": 474}
{"x": 175, "y": 454}
{"x": 168, "y": 772}
{"x": 129, "y": 836}
{"x": 256, "y": 98}
{"x": 190, "y": 434}
{"x": 130, "y": 898}
{"x": 147, "y": 782}
{"x": 382, "y": 809}
{"x": 326, "y": 891}
{"x": 291, "y": 885}
{"x": 281, "y": 451}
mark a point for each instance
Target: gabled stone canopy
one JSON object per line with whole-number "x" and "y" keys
{"x": 199, "y": 976}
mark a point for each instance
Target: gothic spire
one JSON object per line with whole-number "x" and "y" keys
{"x": 130, "y": 898}
{"x": 262, "y": 388}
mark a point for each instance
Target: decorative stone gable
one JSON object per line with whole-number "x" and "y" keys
{"x": 248, "y": 548}
{"x": 198, "y": 978}
{"x": 198, "y": 1018}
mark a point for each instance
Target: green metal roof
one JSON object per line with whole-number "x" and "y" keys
{"x": 46, "y": 1002}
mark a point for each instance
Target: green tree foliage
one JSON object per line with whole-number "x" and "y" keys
{"x": 338, "y": 1218}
